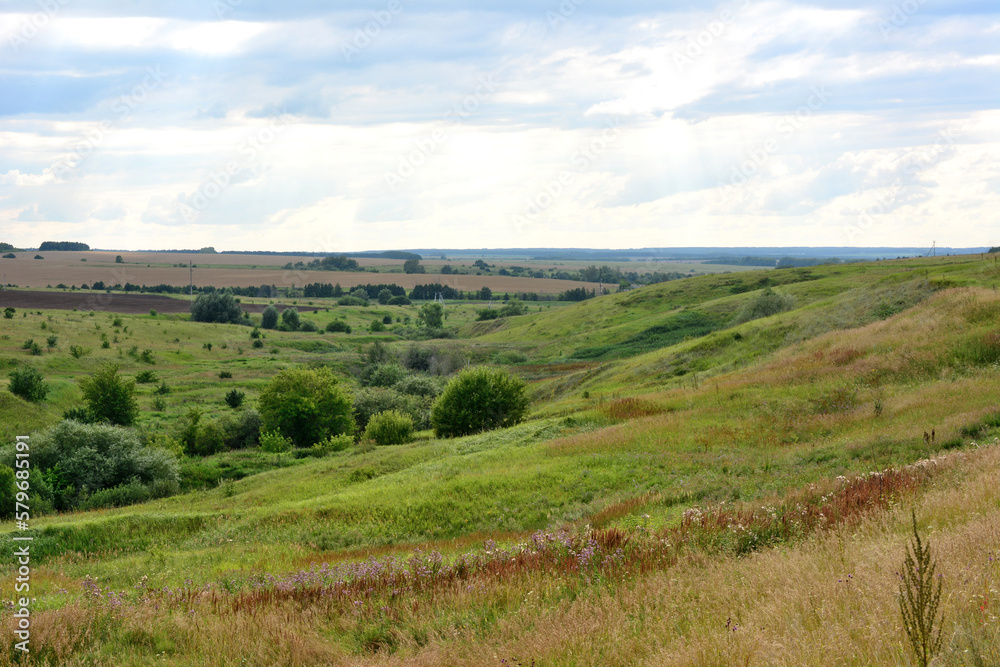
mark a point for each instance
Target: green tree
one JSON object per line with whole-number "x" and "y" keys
{"x": 306, "y": 405}
{"x": 433, "y": 314}
{"x": 412, "y": 266}
{"x": 479, "y": 399}
{"x": 290, "y": 318}
{"x": 216, "y": 307}
{"x": 119, "y": 260}
{"x": 269, "y": 319}
{"x": 383, "y": 296}
{"x": 110, "y": 397}
{"x": 27, "y": 383}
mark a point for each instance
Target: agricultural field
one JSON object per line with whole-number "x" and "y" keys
{"x": 724, "y": 469}
{"x": 76, "y": 268}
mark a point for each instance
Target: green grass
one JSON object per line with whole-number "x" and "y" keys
{"x": 646, "y": 403}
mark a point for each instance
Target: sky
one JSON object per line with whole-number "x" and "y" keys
{"x": 392, "y": 124}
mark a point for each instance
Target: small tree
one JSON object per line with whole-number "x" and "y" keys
{"x": 306, "y": 405}
{"x": 290, "y": 318}
{"x": 110, "y": 397}
{"x": 433, "y": 314}
{"x": 235, "y": 398}
{"x": 27, "y": 383}
{"x": 412, "y": 266}
{"x": 269, "y": 319}
{"x": 383, "y": 296}
{"x": 479, "y": 399}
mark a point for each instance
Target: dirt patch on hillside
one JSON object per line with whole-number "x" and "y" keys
{"x": 113, "y": 303}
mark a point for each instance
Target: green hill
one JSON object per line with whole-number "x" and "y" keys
{"x": 678, "y": 463}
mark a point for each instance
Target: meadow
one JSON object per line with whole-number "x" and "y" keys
{"x": 693, "y": 487}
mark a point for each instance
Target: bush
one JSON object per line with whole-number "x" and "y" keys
{"x": 109, "y": 397}
{"x": 77, "y": 351}
{"x": 8, "y": 312}
{"x": 398, "y": 301}
{"x": 389, "y": 428}
{"x": 8, "y": 493}
{"x": 338, "y": 326}
{"x": 244, "y": 431}
{"x": 209, "y": 439}
{"x": 433, "y": 315}
{"x": 225, "y": 375}
{"x": 373, "y": 400}
{"x": 28, "y": 383}
{"x": 77, "y": 460}
{"x": 352, "y": 301}
{"x": 418, "y": 385}
{"x": 257, "y": 344}
{"x": 376, "y": 326}
{"x": 146, "y": 377}
{"x": 384, "y": 296}
{"x": 269, "y": 319}
{"x": 216, "y": 307}
{"x": 479, "y": 399}
{"x": 509, "y": 357}
{"x": 308, "y": 326}
{"x": 255, "y": 334}
{"x": 306, "y": 405}
{"x": 382, "y": 375}
{"x": 418, "y": 358}
{"x": 274, "y": 442}
{"x": 765, "y": 304}
{"x": 235, "y": 398}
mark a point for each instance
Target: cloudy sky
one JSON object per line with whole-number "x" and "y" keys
{"x": 245, "y": 124}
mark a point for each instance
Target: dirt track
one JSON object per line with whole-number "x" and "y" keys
{"x": 113, "y": 303}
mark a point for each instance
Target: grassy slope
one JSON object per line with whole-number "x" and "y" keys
{"x": 791, "y": 410}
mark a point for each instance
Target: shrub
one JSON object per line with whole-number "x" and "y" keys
{"x": 269, "y": 319}
{"x": 78, "y": 414}
{"x": 8, "y": 492}
{"x": 146, "y": 377}
{"x": 255, "y": 334}
{"x": 384, "y": 296}
{"x": 225, "y": 375}
{"x": 306, "y": 405}
{"x": 109, "y": 397}
{"x": 8, "y": 312}
{"x": 28, "y": 383}
{"x": 77, "y": 351}
{"x": 308, "y": 325}
{"x": 51, "y": 341}
{"x": 418, "y": 358}
{"x": 274, "y": 442}
{"x": 26, "y": 345}
{"x": 235, "y": 398}
{"x": 418, "y": 385}
{"x": 78, "y": 460}
{"x": 398, "y": 301}
{"x": 382, "y": 375}
{"x": 242, "y": 432}
{"x": 479, "y": 399}
{"x": 209, "y": 439}
{"x": 389, "y": 428}
{"x": 257, "y": 344}
{"x": 765, "y": 304}
{"x": 433, "y": 315}
{"x": 373, "y": 400}
{"x": 290, "y": 318}
{"x": 352, "y": 301}
{"x": 376, "y": 326}
{"x": 509, "y": 357}
{"x": 216, "y": 307}
{"x": 162, "y": 390}
{"x": 338, "y": 326}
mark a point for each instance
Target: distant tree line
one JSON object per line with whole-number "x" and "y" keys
{"x": 783, "y": 263}
{"x": 62, "y": 245}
